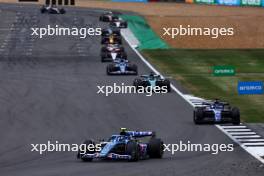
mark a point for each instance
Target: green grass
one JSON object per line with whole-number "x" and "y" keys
{"x": 193, "y": 69}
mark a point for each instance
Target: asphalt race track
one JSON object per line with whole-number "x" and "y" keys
{"x": 48, "y": 92}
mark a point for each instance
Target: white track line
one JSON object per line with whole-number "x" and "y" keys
{"x": 241, "y": 133}
{"x": 233, "y": 127}
{"x": 238, "y": 130}
{"x": 249, "y": 150}
{"x": 250, "y": 140}
{"x": 187, "y": 98}
{"x": 247, "y": 137}
{"x": 253, "y": 143}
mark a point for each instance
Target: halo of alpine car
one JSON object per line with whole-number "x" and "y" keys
{"x": 127, "y": 145}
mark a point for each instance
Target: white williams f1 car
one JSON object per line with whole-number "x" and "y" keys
{"x": 216, "y": 112}
{"x": 51, "y": 9}
{"x": 118, "y": 23}
{"x": 108, "y": 17}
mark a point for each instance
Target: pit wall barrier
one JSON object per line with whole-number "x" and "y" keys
{"x": 147, "y": 38}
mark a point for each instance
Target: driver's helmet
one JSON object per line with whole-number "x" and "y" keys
{"x": 217, "y": 101}
{"x": 122, "y": 60}
{"x": 110, "y": 31}
{"x": 123, "y": 131}
{"x": 151, "y": 75}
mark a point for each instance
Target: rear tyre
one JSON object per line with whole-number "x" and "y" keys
{"x": 125, "y": 25}
{"x": 137, "y": 82}
{"x": 123, "y": 55}
{"x": 167, "y": 84}
{"x": 119, "y": 41}
{"x": 155, "y": 148}
{"x": 235, "y": 116}
{"x": 134, "y": 68}
{"x": 42, "y": 10}
{"x": 84, "y": 150}
{"x": 109, "y": 69}
{"x": 103, "y": 59}
{"x": 198, "y": 116}
{"x": 62, "y": 11}
{"x": 132, "y": 149}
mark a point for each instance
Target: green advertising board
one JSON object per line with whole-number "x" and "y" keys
{"x": 251, "y": 2}
{"x": 205, "y": 1}
{"x": 224, "y": 71}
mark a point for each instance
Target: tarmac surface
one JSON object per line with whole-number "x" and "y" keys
{"x": 48, "y": 91}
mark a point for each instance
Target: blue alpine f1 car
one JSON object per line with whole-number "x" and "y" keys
{"x": 216, "y": 112}
{"x": 125, "y": 146}
{"x": 121, "y": 67}
{"x": 152, "y": 80}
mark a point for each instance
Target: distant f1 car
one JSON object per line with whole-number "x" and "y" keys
{"x": 51, "y": 9}
{"x": 125, "y": 146}
{"x": 111, "y": 31}
{"x": 112, "y": 39}
{"x": 108, "y": 17}
{"x": 112, "y": 51}
{"x": 121, "y": 67}
{"x": 216, "y": 112}
{"x": 118, "y": 23}
{"x": 152, "y": 80}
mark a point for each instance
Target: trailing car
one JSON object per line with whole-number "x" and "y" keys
{"x": 124, "y": 146}
{"x": 121, "y": 67}
{"x": 108, "y": 17}
{"x": 151, "y": 81}
{"x": 118, "y": 23}
{"x": 216, "y": 112}
{"x": 111, "y": 31}
{"x": 111, "y": 39}
{"x": 112, "y": 51}
{"x": 51, "y": 9}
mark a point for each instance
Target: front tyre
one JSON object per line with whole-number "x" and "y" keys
{"x": 109, "y": 69}
{"x": 132, "y": 149}
{"x": 42, "y": 9}
{"x": 155, "y": 148}
{"x": 235, "y": 116}
{"x": 167, "y": 84}
{"x": 62, "y": 11}
{"x": 83, "y": 150}
{"x": 137, "y": 82}
{"x": 198, "y": 116}
{"x": 134, "y": 68}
